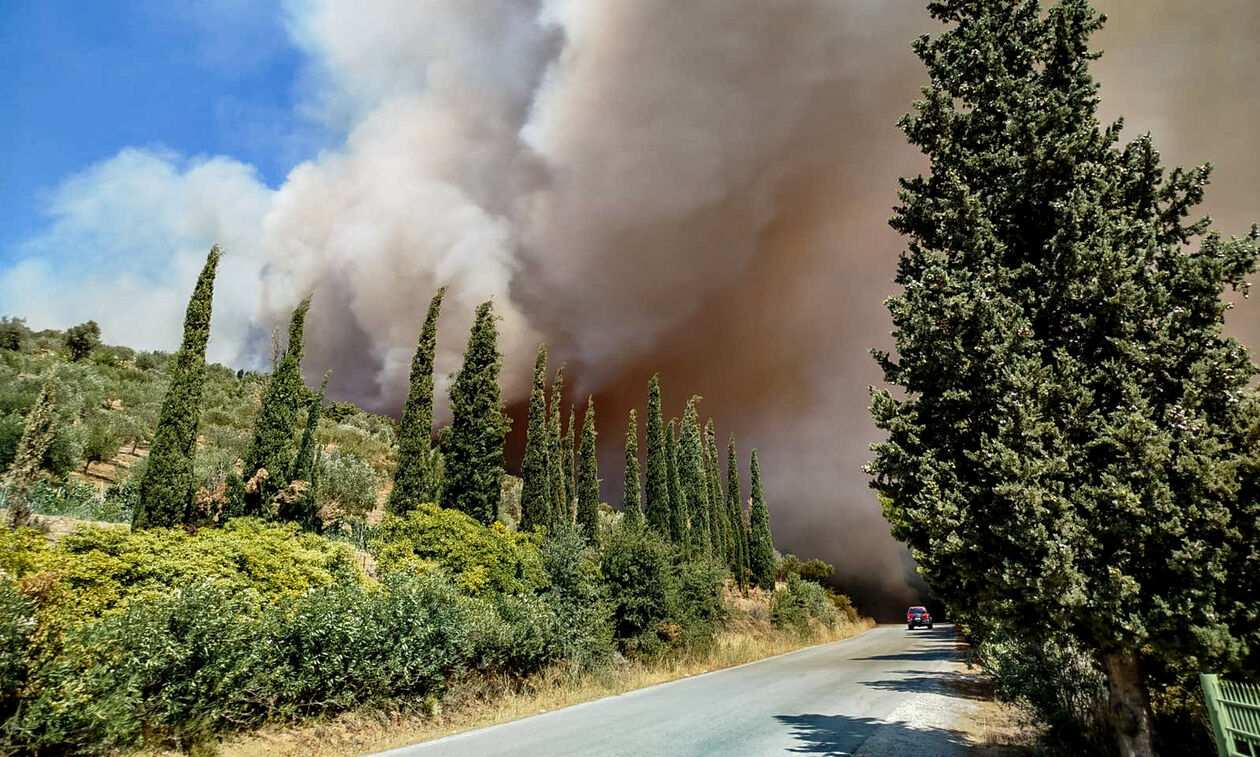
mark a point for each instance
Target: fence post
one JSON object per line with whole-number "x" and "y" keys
{"x": 1211, "y": 699}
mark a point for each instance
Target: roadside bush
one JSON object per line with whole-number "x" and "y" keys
{"x": 578, "y": 597}
{"x": 100, "y": 570}
{"x": 481, "y": 559}
{"x": 177, "y": 670}
{"x": 801, "y": 604}
{"x": 658, "y": 600}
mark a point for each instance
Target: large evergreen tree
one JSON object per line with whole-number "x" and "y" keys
{"x": 555, "y": 458}
{"x": 414, "y": 479}
{"x": 1063, "y": 442}
{"x": 719, "y": 533}
{"x": 166, "y": 489}
{"x": 691, "y": 478}
{"x": 656, "y": 504}
{"x": 473, "y": 452}
{"x": 536, "y": 468}
{"x": 630, "y": 497}
{"x": 760, "y": 541}
{"x": 588, "y": 477}
{"x": 276, "y": 426}
{"x": 735, "y": 515}
{"x": 37, "y": 434}
{"x": 678, "y": 529}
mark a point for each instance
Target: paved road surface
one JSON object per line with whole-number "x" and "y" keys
{"x": 886, "y": 692}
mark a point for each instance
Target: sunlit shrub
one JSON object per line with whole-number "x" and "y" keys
{"x": 800, "y": 604}
{"x": 479, "y": 558}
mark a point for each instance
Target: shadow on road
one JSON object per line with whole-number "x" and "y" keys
{"x": 841, "y": 736}
{"x": 924, "y": 682}
{"x": 937, "y": 644}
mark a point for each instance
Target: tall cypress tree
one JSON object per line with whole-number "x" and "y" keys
{"x": 656, "y": 505}
{"x": 630, "y": 486}
{"x": 760, "y": 542}
{"x": 691, "y": 478}
{"x": 555, "y": 458}
{"x": 570, "y": 472}
{"x": 414, "y": 480}
{"x": 305, "y": 510}
{"x": 276, "y": 425}
{"x": 473, "y": 463}
{"x": 678, "y": 518}
{"x": 37, "y": 434}
{"x": 535, "y": 468}
{"x": 719, "y": 533}
{"x": 1064, "y": 435}
{"x": 166, "y": 490}
{"x": 735, "y": 515}
{"x": 588, "y": 477}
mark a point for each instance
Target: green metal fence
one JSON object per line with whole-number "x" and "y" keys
{"x": 1235, "y": 711}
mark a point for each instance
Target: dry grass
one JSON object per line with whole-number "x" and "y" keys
{"x": 487, "y": 700}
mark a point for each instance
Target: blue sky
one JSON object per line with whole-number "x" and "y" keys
{"x": 82, "y": 80}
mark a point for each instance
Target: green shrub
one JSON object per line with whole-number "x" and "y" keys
{"x": 17, "y": 625}
{"x": 180, "y": 669}
{"x": 579, "y": 598}
{"x": 102, "y": 569}
{"x": 658, "y": 599}
{"x": 13, "y": 333}
{"x": 800, "y": 604}
{"x": 346, "y": 484}
{"x": 479, "y": 558}
{"x": 814, "y": 570}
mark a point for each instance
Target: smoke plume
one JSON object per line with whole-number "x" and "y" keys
{"x": 698, "y": 189}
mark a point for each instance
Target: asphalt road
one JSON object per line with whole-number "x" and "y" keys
{"x": 887, "y": 692}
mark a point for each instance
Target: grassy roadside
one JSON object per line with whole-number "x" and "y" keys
{"x": 487, "y": 700}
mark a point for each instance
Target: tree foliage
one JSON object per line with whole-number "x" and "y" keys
{"x": 761, "y": 566}
{"x": 37, "y": 434}
{"x": 167, "y": 487}
{"x": 678, "y": 519}
{"x": 1068, "y": 434}
{"x": 719, "y": 531}
{"x": 588, "y": 476}
{"x": 536, "y": 467}
{"x": 656, "y": 502}
{"x": 82, "y": 340}
{"x": 414, "y": 480}
{"x": 735, "y": 515}
{"x": 630, "y": 498}
{"x": 473, "y": 453}
{"x": 692, "y": 481}
{"x": 275, "y": 428}
{"x": 555, "y": 458}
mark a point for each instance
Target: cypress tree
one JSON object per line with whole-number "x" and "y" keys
{"x": 678, "y": 529}
{"x": 473, "y": 464}
{"x": 630, "y": 487}
{"x": 305, "y": 510}
{"x": 535, "y": 470}
{"x": 1064, "y": 436}
{"x": 657, "y": 506}
{"x": 760, "y": 542}
{"x": 272, "y": 446}
{"x": 719, "y": 533}
{"x": 166, "y": 490}
{"x": 414, "y": 478}
{"x": 695, "y": 489}
{"x": 37, "y": 434}
{"x": 555, "y": 457}
{"x": 588, "y": 476}
{"x": 570, "y": 471}
{"x": 735, "y": 515}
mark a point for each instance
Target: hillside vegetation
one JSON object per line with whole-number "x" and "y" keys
{"x": 257, "y": 555}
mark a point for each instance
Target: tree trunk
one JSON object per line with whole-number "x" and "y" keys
{"x": 1130, "y": 712}
{"x": 19, "y": 510}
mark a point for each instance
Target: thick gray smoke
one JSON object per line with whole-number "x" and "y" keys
{"x": 697, "y": 188}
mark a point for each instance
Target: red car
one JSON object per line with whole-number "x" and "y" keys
{"x": 918, "y": 616}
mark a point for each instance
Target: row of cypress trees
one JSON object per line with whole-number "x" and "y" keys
{"x": 683, "y": 502}
{"x": 683, "y": 498}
